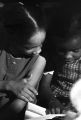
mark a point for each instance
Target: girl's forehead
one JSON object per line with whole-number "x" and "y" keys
{"x": 38, "y": 37}
{"x": 72, "y": 44}
{"x": 36, "y": 40}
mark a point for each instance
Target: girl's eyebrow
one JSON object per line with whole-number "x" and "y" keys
{"x": 33, "y": 46}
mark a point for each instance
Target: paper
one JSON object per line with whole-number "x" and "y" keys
{"x": 30, "y": 114}
{"x": 35, "y": 112}
{"x": 35, "y": 109}
{"x": 46, "y": 117}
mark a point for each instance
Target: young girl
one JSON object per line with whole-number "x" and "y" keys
{"x": 21, "y": 66}
{"x": 65, "y": 32}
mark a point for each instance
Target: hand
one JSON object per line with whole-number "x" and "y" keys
{"x": 55, "y": 107}
{"x": 70, "y": 115}
{"x": 23, "y": 90}
{"x": 28, "y": 94}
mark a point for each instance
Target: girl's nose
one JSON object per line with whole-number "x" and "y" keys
{"x": 69, "y": 55}
{"x": 37, "y": 50}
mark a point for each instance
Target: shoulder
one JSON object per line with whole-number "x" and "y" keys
{"x": 42, "y": 59}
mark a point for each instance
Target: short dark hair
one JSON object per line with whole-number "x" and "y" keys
{"x": 65, "y": 22}
{"x": 20, "y": 23}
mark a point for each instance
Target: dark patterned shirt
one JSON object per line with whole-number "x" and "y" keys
{"x": 63, "y": 79}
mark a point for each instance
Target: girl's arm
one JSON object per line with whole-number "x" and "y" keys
{"x": 36, "y": 72}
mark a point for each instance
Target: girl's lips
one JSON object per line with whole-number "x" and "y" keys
{"x": 70, "y": 61}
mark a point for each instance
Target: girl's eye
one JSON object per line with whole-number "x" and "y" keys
{"x": 76, "y": 50}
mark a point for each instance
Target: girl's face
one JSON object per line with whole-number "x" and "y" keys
{"x": 36, "y": 40}
{"x": 71, "y": 50}
{"x": 33, "y": 47}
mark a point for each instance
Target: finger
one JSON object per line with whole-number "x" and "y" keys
{"x": 32, "y": 89}
{"x": 23, "y": 98}
{"x": 58, "y": 110}
{"x": 35, "y": 100}
{"x": 26, "y": 91}
{"x": 26, "y": 99}
{"x": 26, "y": 95}
{"x": 64, "y": 111}
{"x": 53, "y": 110}
{"x": 47, "y": 111}
{"x": 71, "y": 114}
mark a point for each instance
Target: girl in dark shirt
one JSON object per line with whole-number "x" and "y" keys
{"x": 64, "y": 33}
{"x": 21, "y": 66}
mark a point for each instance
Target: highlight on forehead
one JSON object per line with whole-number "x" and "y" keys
{"x": 36, "y": 40}
{"x": 38, "y": 36}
